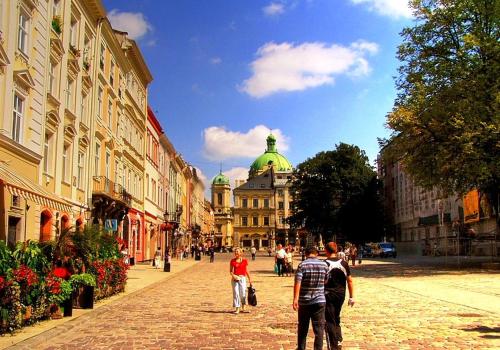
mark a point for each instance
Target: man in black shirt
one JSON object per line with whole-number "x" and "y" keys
{"x": 338, "y": 274}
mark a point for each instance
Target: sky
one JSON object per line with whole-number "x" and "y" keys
{"x": 228, "y": 72}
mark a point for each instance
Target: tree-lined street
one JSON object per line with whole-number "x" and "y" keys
{"x": 397, "y": 307}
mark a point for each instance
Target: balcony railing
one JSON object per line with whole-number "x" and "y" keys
{"x": 112, "y": 189}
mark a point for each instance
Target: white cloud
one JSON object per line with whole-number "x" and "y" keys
{"x": 216, "y": 60}
{"x": 286, "y": 67}
{"x": 238, "y": 173}
{"x": 134, "y": 23}
{"x": 390, "y": 8}
{"x": 274, "y": 9}
{"x": 221, "y": 144}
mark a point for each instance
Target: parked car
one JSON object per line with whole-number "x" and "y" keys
{"x": 387, "y": 250}
{"x": 367, "y": 251}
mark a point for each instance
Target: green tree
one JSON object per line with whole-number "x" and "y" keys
{"x": 445, "y": 121}
{"x": 333, "y": 192}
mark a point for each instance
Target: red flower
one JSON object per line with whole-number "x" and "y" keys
{"x": 25, "y": 275}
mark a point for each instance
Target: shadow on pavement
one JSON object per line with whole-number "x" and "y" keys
{"x": 217, "y": 311}
{"x": 484, "y": 329}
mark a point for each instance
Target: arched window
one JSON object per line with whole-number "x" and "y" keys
{"x": 219, "y": 198}
{"x": 45, "y": 225}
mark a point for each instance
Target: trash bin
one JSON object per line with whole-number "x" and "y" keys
{"x": 132, "y": 261}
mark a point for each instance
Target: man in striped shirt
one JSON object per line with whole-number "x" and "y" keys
{"x": 309, "y": 298}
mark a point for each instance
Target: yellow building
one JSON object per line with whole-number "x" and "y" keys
{"x": 262, "y": 203}
{"x": 31, "y": 203}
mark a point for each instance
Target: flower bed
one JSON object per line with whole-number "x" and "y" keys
{"x": 35, "y": 280}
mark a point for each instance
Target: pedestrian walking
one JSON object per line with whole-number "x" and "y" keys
{"x": 157, "y": 258}
{"x": 238, "y": 268}
{"x": 353, "y": 252}
{"x": 360, "y": 254}
{"x": 269, "y": 251}
{"x": 288, "y": 261}
{"x": 309, "y": 298}
{"x": 211, "y": 251}
{"x": 253, "y": 250}
{"x": 279, "y": 259}
{"x": 338, "y": 274}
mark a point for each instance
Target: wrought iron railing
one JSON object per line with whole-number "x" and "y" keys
{"x": 114, "y": 190}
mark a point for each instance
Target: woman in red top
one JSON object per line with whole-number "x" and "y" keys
{"x": 239, "y": 274}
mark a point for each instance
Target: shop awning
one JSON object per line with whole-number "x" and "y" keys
{"x": 18, "y": 185}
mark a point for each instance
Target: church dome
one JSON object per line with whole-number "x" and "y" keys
{"x": 270, "y": 156}
{"x": 220, "y": 179}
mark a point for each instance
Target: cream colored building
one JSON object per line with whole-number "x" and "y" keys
{"x": 223, "y": 215}
{"x": 262, "y": 203}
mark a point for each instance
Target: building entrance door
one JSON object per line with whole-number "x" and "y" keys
{"x": 256, "y": 243}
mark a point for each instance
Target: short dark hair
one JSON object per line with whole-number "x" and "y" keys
{"x": 311, "y": 250}
{"x": 331, "y": 247}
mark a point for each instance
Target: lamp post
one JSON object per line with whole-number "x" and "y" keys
{"x": 168, "y": 227}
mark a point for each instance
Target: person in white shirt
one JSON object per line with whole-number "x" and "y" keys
{"x": 253, "y": 250}
{"x": 280, "y": 259}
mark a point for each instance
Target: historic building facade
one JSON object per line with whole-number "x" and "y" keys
{"x": 261, "y": 203}
{"x": 76, "y": 140}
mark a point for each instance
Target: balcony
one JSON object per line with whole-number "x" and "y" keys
{"x": 103, "y": 185}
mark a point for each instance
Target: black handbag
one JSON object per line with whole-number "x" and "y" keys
{"x": 252, "y": 297}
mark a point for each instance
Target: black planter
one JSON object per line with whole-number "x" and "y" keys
{"x": 83, "y": 298}
{"x": 68, "y": 307}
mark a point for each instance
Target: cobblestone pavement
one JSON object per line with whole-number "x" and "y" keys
{"x": 397, "y": 307}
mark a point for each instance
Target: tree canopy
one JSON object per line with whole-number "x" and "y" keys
{"x": 335, "y": 192}
{"x": 445, "y": 121}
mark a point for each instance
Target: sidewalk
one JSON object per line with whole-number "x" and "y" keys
{"x": 140, "y": 277}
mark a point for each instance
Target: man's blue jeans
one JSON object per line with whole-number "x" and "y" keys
{"x": 316, "y": 314}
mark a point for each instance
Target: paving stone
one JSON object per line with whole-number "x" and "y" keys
{"x": 397, "y": 307}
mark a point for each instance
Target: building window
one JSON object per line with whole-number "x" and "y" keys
{"x": 66, "y": 166}
{"x": 255, "y": 202}
{"x": 97, "y": 164}
{"x": 266, "y": 220}
{"x": 80, "y": 172}
{"x": 244, "y": 203}
{"x": 83, "y": 109}
{"x": 281, "y": 205}
{"x": 266, "y": 202}
{"x": 219, "y": 198}
{"x": 70, "y": 95}
{"x": 17, "y": 118}
{"x": 23, "y": 32}
{"x": 52, "y": 78}
{"x": 73, "y": 33}
{"x": 101, "y": 57}
{"x": 112, "y": 74}
{"x": 280, "y": 193}
{"x": 99, "y": 102}
{"x": 147, "y": 185}
{"x": 255, "y": 221}
{"x": 110, "y": 114}
{"x": 244, "y": 221}
{"x": 46, "y": 153}
{"x": 108, "y": 164}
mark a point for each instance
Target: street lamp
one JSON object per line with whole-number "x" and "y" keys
{"x": 168, "y": 227}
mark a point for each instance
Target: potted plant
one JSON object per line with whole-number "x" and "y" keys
{"x": 59, "y": 292}
{"x": 83, "y": 290}
{"x": 57, "y": 24}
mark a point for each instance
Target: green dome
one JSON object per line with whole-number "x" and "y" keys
{"x": 271, "y": 156}
{"x": 220, "y": 179}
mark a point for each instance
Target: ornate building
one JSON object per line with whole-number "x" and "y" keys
{"x": 261, "y": 203}
{"x": 223, "y": 218}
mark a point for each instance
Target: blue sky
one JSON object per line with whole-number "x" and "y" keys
{"x": 315, "y": 72}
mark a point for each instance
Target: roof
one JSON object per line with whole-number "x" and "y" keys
{"x": 270, "y": 157}
{"x": 19, "y": 185}
{"x": 262, "y": 181}
{"x": 220, "y": 179}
